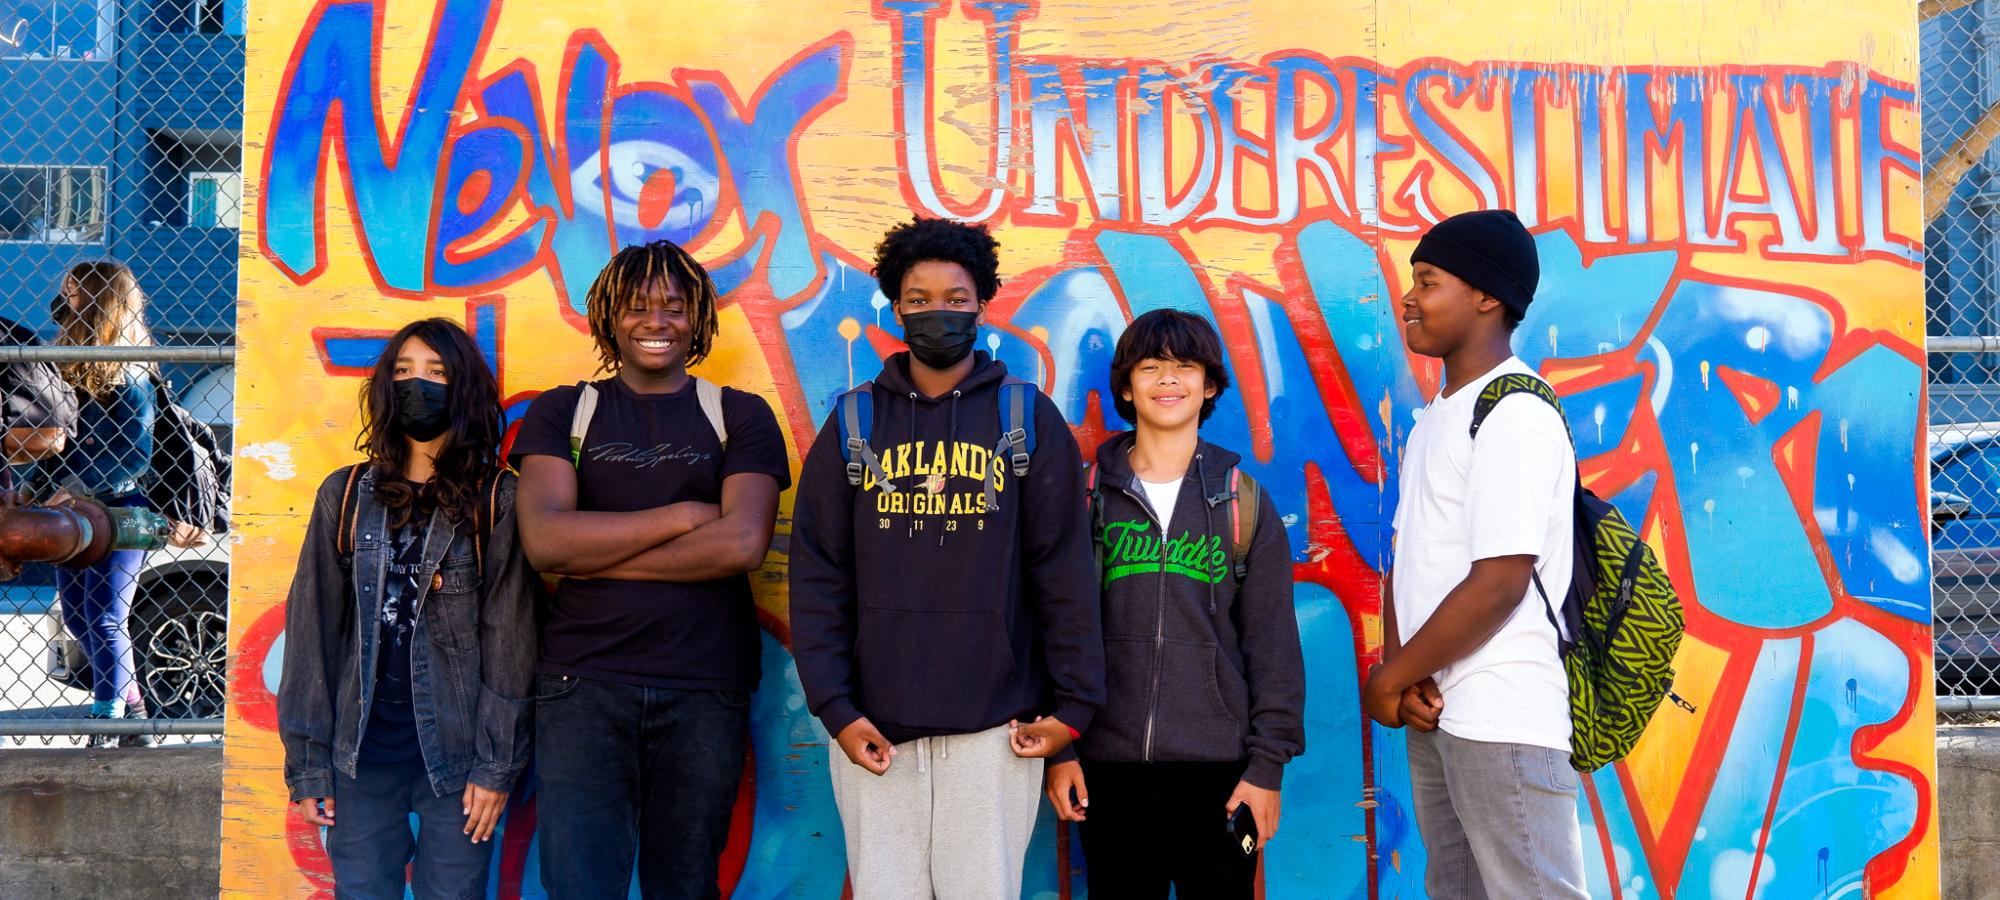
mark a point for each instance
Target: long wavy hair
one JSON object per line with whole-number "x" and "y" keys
{"x": 110, "y": 312}
{"x": 470, "y": 452}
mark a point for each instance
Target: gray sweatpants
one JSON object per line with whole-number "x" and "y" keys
{"x": 1497, "y": 820}
{"x": 950, "y": 819}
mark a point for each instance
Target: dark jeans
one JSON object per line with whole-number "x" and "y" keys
{"x": 631, "y": 770}
{"x": 371, "y": 843}
{"x": 96, "y": 605}
{"x": 1151, "y": 825}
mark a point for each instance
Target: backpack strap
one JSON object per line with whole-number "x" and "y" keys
{"x": 856, "y": 406}
{"x": 1245, "y": 508}
{"x": 1017, "y": 435}
{"x": 1490, "y": 396}
{"x": 579, "y": 421}
{"x": 344, "y": 521}
{"x": 710, "y": 395}
{"x": 1507, "y": 386}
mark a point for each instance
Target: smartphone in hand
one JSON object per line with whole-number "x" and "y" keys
{"x": 1242, "y": 828}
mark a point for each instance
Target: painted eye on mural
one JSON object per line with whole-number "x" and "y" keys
{"x": 649, "y": 185}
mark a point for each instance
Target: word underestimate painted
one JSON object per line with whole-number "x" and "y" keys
{"x": 501, "y": 187}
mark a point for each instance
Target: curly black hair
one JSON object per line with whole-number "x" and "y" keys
{"x": 1167, "y": 334}
{"x": 968, "y": 244}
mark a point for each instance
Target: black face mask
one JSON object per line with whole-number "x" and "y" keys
{"x": 422, "y": 409}
{"x": 941, "y": 339}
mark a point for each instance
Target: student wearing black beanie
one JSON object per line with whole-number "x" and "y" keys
{"x": 1469, "y": 657}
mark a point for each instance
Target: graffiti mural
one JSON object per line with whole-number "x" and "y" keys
{"x": 1726, "y": 205}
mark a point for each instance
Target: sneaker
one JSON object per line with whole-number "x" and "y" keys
{"x": 136, "y": 710}
{"x": 104, "y": 709}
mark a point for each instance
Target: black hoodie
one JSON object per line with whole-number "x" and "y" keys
{"x": 925, "y": 611}
{"x": 1197, "y": 666}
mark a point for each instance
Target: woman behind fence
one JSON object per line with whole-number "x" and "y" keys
{"x": 107, "y": 459}
{"x": 409, "y": 632}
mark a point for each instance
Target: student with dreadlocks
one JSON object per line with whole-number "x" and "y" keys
{"x": 655, "y": 493}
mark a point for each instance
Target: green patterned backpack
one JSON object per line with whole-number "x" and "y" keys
{"x": 1623, "y": 620}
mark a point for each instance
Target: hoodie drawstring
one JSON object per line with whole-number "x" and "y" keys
{"x": 924, "y": 745}
{"x": 951, "y": 442}
{"x": 911, "y": 522}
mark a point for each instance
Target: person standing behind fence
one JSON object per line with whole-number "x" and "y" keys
{"x": 112, "y": 451}
{"x": 656, "y": 493}
{"x": 411, "y": 572}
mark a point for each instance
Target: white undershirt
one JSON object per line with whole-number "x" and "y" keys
{"x": 1162, "y": 496}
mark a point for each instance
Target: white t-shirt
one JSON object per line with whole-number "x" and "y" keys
{"x": 1162, "y": 496}
{"x": 1507, "y": 494}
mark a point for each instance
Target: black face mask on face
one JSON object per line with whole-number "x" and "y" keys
{"x": 940, "y": 339}
{"x": 423, "y": 410}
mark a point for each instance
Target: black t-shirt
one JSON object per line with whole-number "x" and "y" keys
{"x": 644, "y": 451}
{"x": 391, "y": 735}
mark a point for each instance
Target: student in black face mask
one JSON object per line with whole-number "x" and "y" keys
{"x": 944, "y": 599}
{"x": 409, "y": 632}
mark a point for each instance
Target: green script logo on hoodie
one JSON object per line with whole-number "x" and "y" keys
{"x": 1131, "y": 548}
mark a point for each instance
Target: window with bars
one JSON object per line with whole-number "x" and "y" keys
{"x": 52, "y": 204}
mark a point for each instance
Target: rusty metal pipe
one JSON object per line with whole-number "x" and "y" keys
{"x": 79, "y": 535}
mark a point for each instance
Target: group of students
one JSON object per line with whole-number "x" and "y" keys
{"x": 979, "y": 618}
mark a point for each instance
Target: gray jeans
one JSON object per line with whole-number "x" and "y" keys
{"x": 1498, "y": 820}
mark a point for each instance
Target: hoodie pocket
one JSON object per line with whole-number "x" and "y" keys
{"x": 1119, "y": 730}
{"x": 1192, "y": 721}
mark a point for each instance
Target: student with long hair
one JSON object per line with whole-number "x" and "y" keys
{"x": 409, "y": 631}
{"x": 112, "y": 451}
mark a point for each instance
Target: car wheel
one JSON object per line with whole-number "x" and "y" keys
{"x": 182, "y": 644}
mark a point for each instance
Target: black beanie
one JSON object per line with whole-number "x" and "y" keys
{"x": 1489, "y": 249}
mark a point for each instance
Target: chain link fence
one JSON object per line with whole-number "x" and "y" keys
{"x": 1960, "y": 47}
{"x": 120, "y": 144}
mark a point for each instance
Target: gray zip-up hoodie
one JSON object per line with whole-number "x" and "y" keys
{"x": 1198, "y": 666}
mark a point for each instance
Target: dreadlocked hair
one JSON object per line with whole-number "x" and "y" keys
{"x": 628, "y": 274}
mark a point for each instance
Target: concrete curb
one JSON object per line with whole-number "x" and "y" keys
{"x": 140, "y": 823}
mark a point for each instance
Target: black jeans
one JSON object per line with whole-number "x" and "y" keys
{"x": 370, "y": 843}
{"x": 1152, "y": 825}
{"x": 631, "y": 770}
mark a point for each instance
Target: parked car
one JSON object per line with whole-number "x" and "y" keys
{"x": 180, "y": 619}
{"x": 1965, "y": 556}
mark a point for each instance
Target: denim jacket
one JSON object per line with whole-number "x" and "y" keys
{"x": 113, "y": 445}
{"x": 473, "y": 651}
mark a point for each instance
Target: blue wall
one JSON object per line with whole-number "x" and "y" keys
{"x": 105, "y": 114}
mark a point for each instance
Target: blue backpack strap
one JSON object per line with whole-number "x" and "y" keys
{"x": 1017, "y": 434}
{"x": 857, "y": 417}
